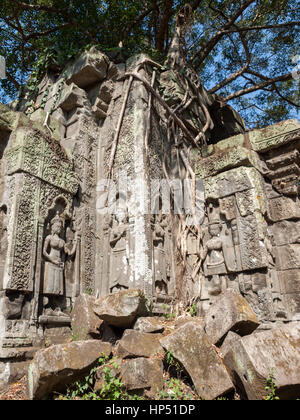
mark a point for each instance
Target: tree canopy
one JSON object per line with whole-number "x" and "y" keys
{"x": 244, "y": 50}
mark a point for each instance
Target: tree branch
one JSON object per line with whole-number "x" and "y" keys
{"x": 62, "y": 12}
{"x": 239, "y": 72}
{"x": 48, "y": 32}
{"x": 163, "y": 24}
{"x": 209, "y": 46}
{"x": 259, "y": 86}
{"x": 255, "y": 73}
{"x": 284, "y": 98}
{"x": 257, "y": 28}
{"x": 141, "y": 17}
{"x": 13, "y": 80}
{"x": 37, "y": 7}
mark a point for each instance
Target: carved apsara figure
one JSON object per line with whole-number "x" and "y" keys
{"x": 54, "y": 251}
{"x": 160, "y": 265}
{"x": 214, "y": 260}
{"x": 3, "y": 239}
{"x": 280, "y": 311}
{"x": 119, "y": 267}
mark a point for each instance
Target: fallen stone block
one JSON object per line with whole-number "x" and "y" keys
{"x": 192, "y": 348}
{"x": 57, "y": 366}
{"x": 148, "y": 325}
{"x": 227, "y": 344}
{"x": 121, "y": 309}
{"x": 110, "y": 334}
{"x": 14, "y": 365}
{"x": 85, "y": 323}
{"x": 138, "y": 344}
{"x": 111, "y": 369}
{"x": 142, "y": 374}
{"x": 135, "y": 375}
{"x": 230, "y": 312}
{"x": 253, "y": 359}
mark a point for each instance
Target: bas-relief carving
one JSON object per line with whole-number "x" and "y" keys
{"x": 214, "y": 260}
{"x": 234, "y": 255}
{"x": 119, "y": 253}
{"x": 261, "y": 241}
{"x": 59, "y": 275}
{"x": 31, "y": 199}
{"x": 3, "y": 241}
{"x": 193, "y": 264}
{"x": 163, "y": 270}
{"x": 54, "y": 251}
{"x": 236, "y": 248}
{"x": 160, "y": 263}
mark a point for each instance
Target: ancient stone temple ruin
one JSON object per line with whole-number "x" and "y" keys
{"x": 84, "y": 168}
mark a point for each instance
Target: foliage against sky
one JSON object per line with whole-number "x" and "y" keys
{"x": 242, "y": 49}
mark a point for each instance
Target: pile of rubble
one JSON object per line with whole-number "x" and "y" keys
{"x": 227, "y": 352}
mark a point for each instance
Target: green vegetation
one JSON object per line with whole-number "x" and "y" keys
{"x": 175, "y": 389}
{"x": 111, "y": 389}
{"x": 244, "y": 50}
{"x": 271, "y": 388}
{"x": 193, "y": 310}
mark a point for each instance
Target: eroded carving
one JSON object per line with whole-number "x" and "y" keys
{"x": 119, "y": 262}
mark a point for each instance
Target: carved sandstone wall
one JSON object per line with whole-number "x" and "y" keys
{"x": 99, "y": 123}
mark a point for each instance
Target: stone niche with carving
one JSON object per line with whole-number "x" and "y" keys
{"x": 251, "y": 227}
{"x": 37, "y": 180}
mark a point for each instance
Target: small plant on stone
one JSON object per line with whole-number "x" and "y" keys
{"x": 271, "y": 388}
{"x": 170, "y": 316}
{"x": 84, "y": 389}
{"x": 112, "y": 389}
{"x": 149, "y": 305}
{"x": 173, "y": 364}
{"x": 89, "y": 292}
{"x": 193, "y": 310}
{"x": 174, "y": 389}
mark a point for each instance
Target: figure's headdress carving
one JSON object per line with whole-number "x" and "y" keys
{"x": 215, "y": 223}
{"x": 57, "y": 219}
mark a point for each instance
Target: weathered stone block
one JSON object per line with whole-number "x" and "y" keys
{"x": 90, "y": 68}
{"x": 138, "y": 344}
{"x": 286, "y": 232}
{"x": 231, "y": 338}
{"x": 231, "y": 312}
{"x": 54, "y": 368}
{"x": 136, "y": 375}
{"x": 141, "y": 374}
{"x": 121, "y": 309}
{"x": 40, "y": 116}
{"x": 193, "y": 349}
{"x": 148, "y": 325}
{"x": 288, "y": 257}
{"x": 252, "y": 248}
{"x": 71, "y": 97}
{"x": 253, "y": 359}
{"x": 8, "y": 118}
{"x": 225, "y": 160}
{"x": 85, "y": 323}
{"x": 231, "y": 181}
{"x": 283, "y": 208}
{"x": 275, "y": 135}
